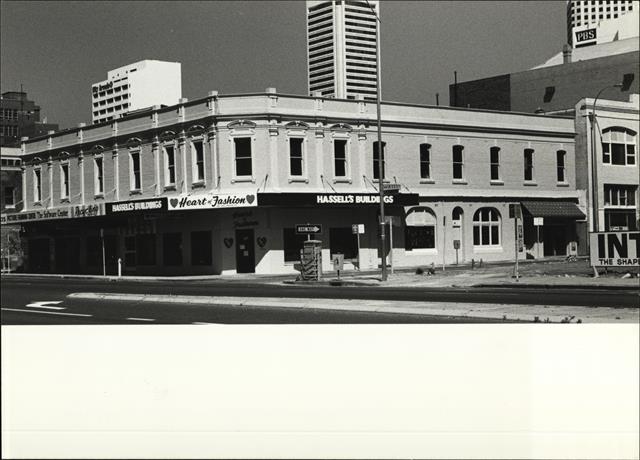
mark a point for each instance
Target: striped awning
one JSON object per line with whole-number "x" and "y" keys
{"x": 558, "y": 209}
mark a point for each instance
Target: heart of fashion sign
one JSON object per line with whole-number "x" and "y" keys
{"x": 212, "y": 201}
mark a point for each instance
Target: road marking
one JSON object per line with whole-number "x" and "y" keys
{"x": 43, "y": 304}
{"x": 205, "y": 323}
{"x": 140, "y": 319}
{"x": 45, "y": 312}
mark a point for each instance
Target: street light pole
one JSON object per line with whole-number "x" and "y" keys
{"x": 383, "y": 236}
{"x": 594, "y": 166}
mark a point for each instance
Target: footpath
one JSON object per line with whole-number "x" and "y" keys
{"x": 547, "y": 274}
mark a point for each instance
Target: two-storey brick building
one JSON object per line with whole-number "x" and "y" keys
{"x": 218, "y": 184}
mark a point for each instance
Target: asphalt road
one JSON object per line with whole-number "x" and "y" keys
{"x": 19, "y": 292}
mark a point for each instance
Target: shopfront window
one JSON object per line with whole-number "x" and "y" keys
{"x": 146, "y": 249}
{"x": 343, "y": 241}
{"x": 420, "y": 229}
{"x": 201, "y": 248}
{"x": 172, "y": 249}
{"x": 292, "y": 244}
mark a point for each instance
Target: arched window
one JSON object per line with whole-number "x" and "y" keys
{"x": 486, "y": 227}
{"x": 420, "y": 229}
{"x": 618, "y": 146}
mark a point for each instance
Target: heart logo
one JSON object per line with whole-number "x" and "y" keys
{"x": 228, "y": 242}
{"x": 173, "y": 202}
{"x": 250, "y": 198}
{"x": 262, "y": 240}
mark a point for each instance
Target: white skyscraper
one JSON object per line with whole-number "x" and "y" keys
{"x": 341, "y": 47}
{"x": 136, "y": 86}
{"x": 591, "y": 22}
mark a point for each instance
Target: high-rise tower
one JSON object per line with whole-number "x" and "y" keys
{"x": 592, "y": 22}
{"x": 341, "y": 47}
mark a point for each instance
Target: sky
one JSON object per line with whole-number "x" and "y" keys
{"x": 57, "y": 49}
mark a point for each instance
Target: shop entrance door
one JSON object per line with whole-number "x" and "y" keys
{"x": 245, "y": 251}
{"x": 555, "y": 240}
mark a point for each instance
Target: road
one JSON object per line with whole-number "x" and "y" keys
{"x": 20, "y": 296}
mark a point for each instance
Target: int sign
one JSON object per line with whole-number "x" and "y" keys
{"x": 585, "y": 37}
{"x": 308, "y": 229}
{"x": 615, "y": 249}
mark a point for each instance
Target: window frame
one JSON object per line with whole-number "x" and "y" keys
{"x": 133, "y": 174}
{"x": 421, "y": 250}
{"x": 195, "y": 163}
{"x": 561, "y": 166}
{"x": 243, "y": 177}
{"x": 627, "y": 144}
{"x": 302, "y": 139}
{"x": 425, "y": 164}
{"x": 495, "y": 164}
{"x": 98, "y": 175}
{"x": 9, "y": 191}
{"x": 37, "y": 185}
{"x": 457, "y": 148}
{"x": 167, "y": 168}
{"x": 528, "y": 161}
{"x": 346, "y": 163}
{"x": 490, "y": 224}
{"x": 65, "y": 185}
{"x": 376, "y": 160}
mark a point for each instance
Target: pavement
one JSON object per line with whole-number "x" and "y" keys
{"x": 548, "y": 274}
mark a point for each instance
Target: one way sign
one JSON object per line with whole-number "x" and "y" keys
{"x": 308, "y": 229}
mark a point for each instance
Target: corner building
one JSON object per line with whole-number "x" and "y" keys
{"x": 218, "y": 185}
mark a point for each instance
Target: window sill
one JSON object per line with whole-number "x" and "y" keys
{"x": 427, "y": 181}
{"x": 459, "y": 181}
{"x": 135, "y": 192}
{"x": 64, "y": 200}
{"x": 530, "y": 184}
{"x": 342, "y": 180}
{"x": 562, "y": 184}
{"x": 10, "y": 206}
{"x": 170, "y": 188}
{"x": 198, "y": 184}
{"x": 421, "y": 251}
{"x": 488, "y": 249}
{"x": 37, "y": 203}
{"x": 496, "y": 182}
{"x": 299, "y": 179}
{"x": 98, "y": 196}
{"x": 243, "y": 179}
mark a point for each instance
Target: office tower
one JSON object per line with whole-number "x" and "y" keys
{"x": 136, "y": 86}
{"x": 341, "y": 47}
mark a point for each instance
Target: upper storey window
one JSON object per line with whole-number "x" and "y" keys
{"x": 619, "y": 146}
{"x": 243, "y": 161}
{"x": 458, "y": 162}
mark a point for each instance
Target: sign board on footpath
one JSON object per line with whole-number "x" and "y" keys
{"x": 308, "y": 229}
{"x": 615, "y": 249}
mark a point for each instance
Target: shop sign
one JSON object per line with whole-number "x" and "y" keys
{"x": 357, "y": 229}
{"x": 335, "y": 199}
{"x": 40, "y": 214}
{"x": 126, "y": 207}
{"x": 586, "y": 37}
{"x": 615, "y": 249}
{"x": 212, "y": 201}
{"x": 90, "y": 210}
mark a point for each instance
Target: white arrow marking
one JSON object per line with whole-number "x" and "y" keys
{"x": 45, "y": 312}
{"x": 44, "y": 303}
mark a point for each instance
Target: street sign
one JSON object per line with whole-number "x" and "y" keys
{"x": 520, "y": 238}
{"x": 357, "y": 229}
{"x": 538, "y": 221}
{"x": 308, "y": 229}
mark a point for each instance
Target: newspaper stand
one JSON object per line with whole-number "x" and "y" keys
{"x": 311, "y": 260}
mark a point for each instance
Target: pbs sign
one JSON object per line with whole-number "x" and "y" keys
{"x": 615, "y": 249}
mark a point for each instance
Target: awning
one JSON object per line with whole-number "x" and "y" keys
{"x": 558, "y": 209}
